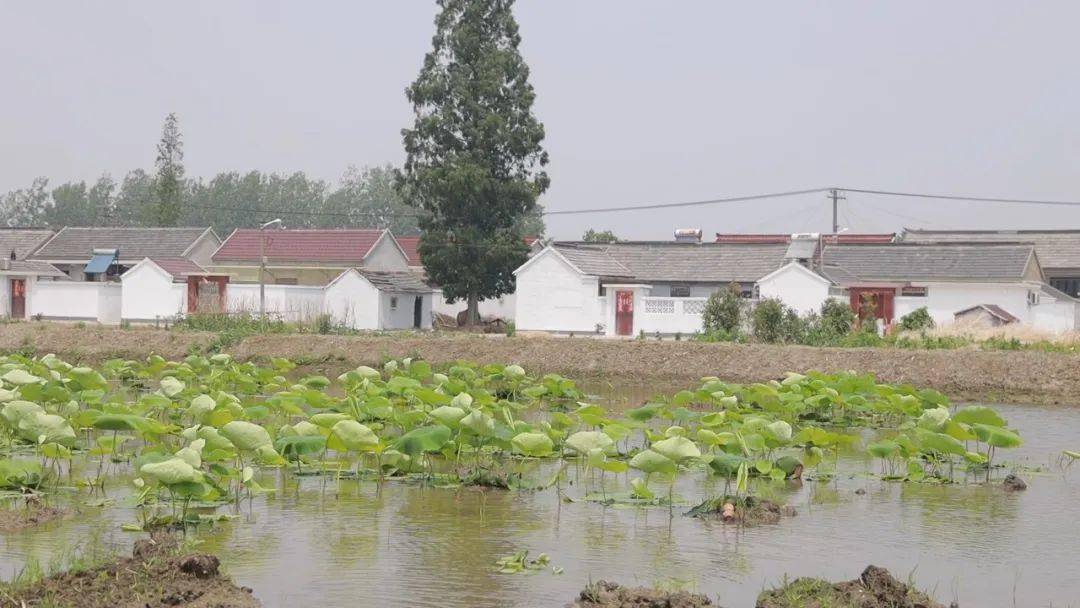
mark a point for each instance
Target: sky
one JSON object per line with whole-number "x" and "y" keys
{"x": 643, "y": 101}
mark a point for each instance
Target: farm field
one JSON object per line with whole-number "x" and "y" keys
{"x": 412, "y": 483}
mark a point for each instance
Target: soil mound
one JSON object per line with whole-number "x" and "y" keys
{"x": 876, "y": 588}
{"x": 156, "y": 575}
{"x": 613, "y": 595}
{"x": 748, "y": 510}
{"x": 32, "y": 514}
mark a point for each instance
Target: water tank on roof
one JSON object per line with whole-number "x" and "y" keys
{"x": 688, "y": 235}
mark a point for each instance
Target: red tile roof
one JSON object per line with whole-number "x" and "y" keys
{"x": 409, "y": 245}
{"x": 179, "y": 267}
{"x": 344, "y": 246}
{"x": 786, "y": 238}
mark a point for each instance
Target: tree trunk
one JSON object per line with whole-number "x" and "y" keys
{"x": 472, "y": 318}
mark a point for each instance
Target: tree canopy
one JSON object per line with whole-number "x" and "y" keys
{"x": 599, "y": 236}
{"x": 474, "y": 163}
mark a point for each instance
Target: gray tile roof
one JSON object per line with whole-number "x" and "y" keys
{"x": 30, "y": 267}
{"x": 845, "y": 264}
{"x": 395, "y": 282}
{"x": 134, "y": 243}
{"x": 666, "y": 261}
{"x": 23, "y": 241}
{"x": 1055, "y": 248}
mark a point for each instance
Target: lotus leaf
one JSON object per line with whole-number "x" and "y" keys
{"x": 649, "y": 461}
{"x": 533, "y": 444}
{"x": 979, "y": 414}
{"x": 171, "y": 472}
{"x": 584, "y": 442}
{"x": 677, "y": 448}
{"x": 933, "y": 419}
{"x": 351, "y": 436}
{"x": 20, "y": 377}
{"x": 44, "y": 428}
{"x": 246, "y": 436}
{"x": 448, "y": 415}
{"x": 200, "y": 406}
{"x": 939, "y": 442}
{"x": 15, "y": 411}
{"x": 327, "y": 420}
{"x": 780, "y": 429}
{"x": 462, "y": 400}
{"x": 192, "y": 454}
{"x": 171, "y": 386}
{"x": 425, "y": 439}
{"x": 479, "y": 423}
{"x": 996, "y": 436}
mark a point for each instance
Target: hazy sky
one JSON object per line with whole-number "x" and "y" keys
{"x": 643, "y": 101}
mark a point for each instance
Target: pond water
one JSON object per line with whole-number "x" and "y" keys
{"x": 317, "y": 542}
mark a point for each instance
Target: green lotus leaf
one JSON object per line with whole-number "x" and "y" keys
{"x": 533, "y": 444}
{"x": 883, "y": 449}
{"x": 649, "y": 461}
{"x": 44, "y": 428}
{"x": 15, "y": 411}
{"x": 583, "y": 442}
{"x": 20, "y": 377}
{"x": 979, "y": 414}
{"x": 171, "y": 472}
{"x": 201, "y": 406}
{"x": 479, "y": 423}
{"x": 939, "y": 442}
{"x": 677, "y": 448}
{"x": 780, "y": 429}
{"x": 246, "y": 436}
{"x": 351, "y": 436}
{"x": 88, "y": 378}
{"x": 462, "y": 400}
{"x": 327, "y": 420}
{"x": 448, "y": 415}
{"x": 996, "y": 436}
{"x": 171, "y": 386}
{"x": 425, "y": 439}
{"x": 192, "y": 454}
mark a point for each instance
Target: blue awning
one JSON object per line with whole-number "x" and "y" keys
{"x": 100, "y": 263}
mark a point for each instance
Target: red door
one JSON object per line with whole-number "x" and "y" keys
{"x": 624, "y": 313}
{"x": 18, "y": 298}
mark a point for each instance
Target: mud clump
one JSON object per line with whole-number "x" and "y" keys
{"x": 33, "y": 514}
{"x": 875, "y": 588}
{"x": 613, "y": 595}
{"x": 747, "y": 510}
{"x": 157, "y": 574}
{"x": 1014, "y": 483}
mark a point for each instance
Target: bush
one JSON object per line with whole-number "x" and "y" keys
{"x": 837, "y": 318}
{"x": 917, "y": 320}
{"x": 767, "y": 320}
{"x": 723, "y": 311}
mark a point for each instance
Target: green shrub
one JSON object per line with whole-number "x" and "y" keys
{"x": 917, "y": 320}
{"x": 724, "y": 311}
{"x": 767, "y": 320}
{"x": 837, "y": 318}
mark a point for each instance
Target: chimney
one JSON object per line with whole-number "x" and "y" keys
{"x": 688, "y": 235}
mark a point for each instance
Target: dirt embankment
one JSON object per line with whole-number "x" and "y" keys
{"x": 157, "y": 574}
{"x": 964, "y": 374}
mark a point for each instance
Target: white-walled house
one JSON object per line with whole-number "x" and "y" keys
{"x": 629, "y": 288}
{"x": 18, "y": 275}
{"x": 895, "y": 279}
{"x": 165, "y": 288}
{"x": 102, "y": 254}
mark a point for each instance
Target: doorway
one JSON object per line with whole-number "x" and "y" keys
{"x": 18, "y": 298}
{"x": 624, "y": 313}
{"x": 418, "y": 312}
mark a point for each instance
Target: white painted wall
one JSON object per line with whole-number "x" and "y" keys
{"x": 552, "y": 296}
{"x": 401, "y": 316}
{"x": 288, "y": 302}
{"x": 1055, "y": 315}
{"x": 75, "y": 300}
{"x": 149, "y": 293}
{"x": 352, "y": 301}
{"x": 668, "y": 316}
{"x": 797, "y": 287}
{"x": 386, "y": 256}
{"x": 944, "y": 300}
{"x": 503, "y": 308}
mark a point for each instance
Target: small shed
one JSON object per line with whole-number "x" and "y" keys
{"x": 379, "y": 300}
{"x": 157, "y": 288}
{"x": 989, "y": 315}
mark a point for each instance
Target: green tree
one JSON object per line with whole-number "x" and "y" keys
{"x": 724, "y": 311}
{"x": 26, "y": 207}
{"x": 367, "y": 198}
{"x": 70, "y": 206}
{"x": 599, "y": 236}
{"x": 474, "y": 161}
{"x": 169, "y": 182}
{"x": 135, "y": 200}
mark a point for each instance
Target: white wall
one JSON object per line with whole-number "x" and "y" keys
{"x": 1055, "y": 315}
{"x": 287, "y": 302}
{"x": 75, "y": 300}
{"x": 401, "y": 317}
{"x": 387, "y": 256}
{"x": 944, "y": 300}
{"x": 552, "y": 296}
{"x": 797, "y": 287}
{"x": 352, "y": 301}
{"x": 148, "y": 293}
{"x": 668, "y": 315}
{"x": 502, "y": 308}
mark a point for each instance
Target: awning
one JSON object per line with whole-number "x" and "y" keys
{"x": 100, "y": 262}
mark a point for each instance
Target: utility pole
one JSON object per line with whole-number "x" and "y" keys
{"x": 836, "y": 197}
{"x": 262, "y": 266}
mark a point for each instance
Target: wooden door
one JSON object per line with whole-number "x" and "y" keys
{"x": 18, "y": 298}
{"x": 624, "y": 313}
{"x": 418, "y": 312}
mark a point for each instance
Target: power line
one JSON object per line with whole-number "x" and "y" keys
{"x": 714, "y": 201}
{"x": 977, "y": 199}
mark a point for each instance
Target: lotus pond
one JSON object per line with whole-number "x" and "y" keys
{"x": 489, "y": 486}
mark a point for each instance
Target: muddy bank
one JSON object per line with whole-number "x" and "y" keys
{"x": 613, "y": 595}
{"x": 964, "y": 374}
{"x": 875, "y": 588}
{"x": 157, "y": 574}
{"x": 28, "y": 515}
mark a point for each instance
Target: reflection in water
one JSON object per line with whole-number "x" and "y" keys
{"x": 317, "y": 542}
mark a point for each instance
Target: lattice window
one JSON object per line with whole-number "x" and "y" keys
{"x": 659, "y": 306}
{"x": 694, "y": 307}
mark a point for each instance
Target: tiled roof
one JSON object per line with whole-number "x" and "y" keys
{"x": 78, "y": 244}
{"x": 665, "y": 261}
{"x": 786, "y": 238}
{"x": 23, "y": 241}
{"x": 179, "y": 267}
{"x": 348, "y": 246}
{"x": 994, "y": 310}
{"x": 396, "y": 282}
{"x": 1055, "y": 248}
{"x": 409, "y": 245}
{"x": 30, "y": 267}
{"x": 845, "y": 264}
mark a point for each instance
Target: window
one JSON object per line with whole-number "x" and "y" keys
{"x": 913, "y": 292}
{"x": 1033, "y": 298}
{"x": 1069, "y": 285}
{"x": 393, "y": 302}
{"x": 680, "y": 291}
